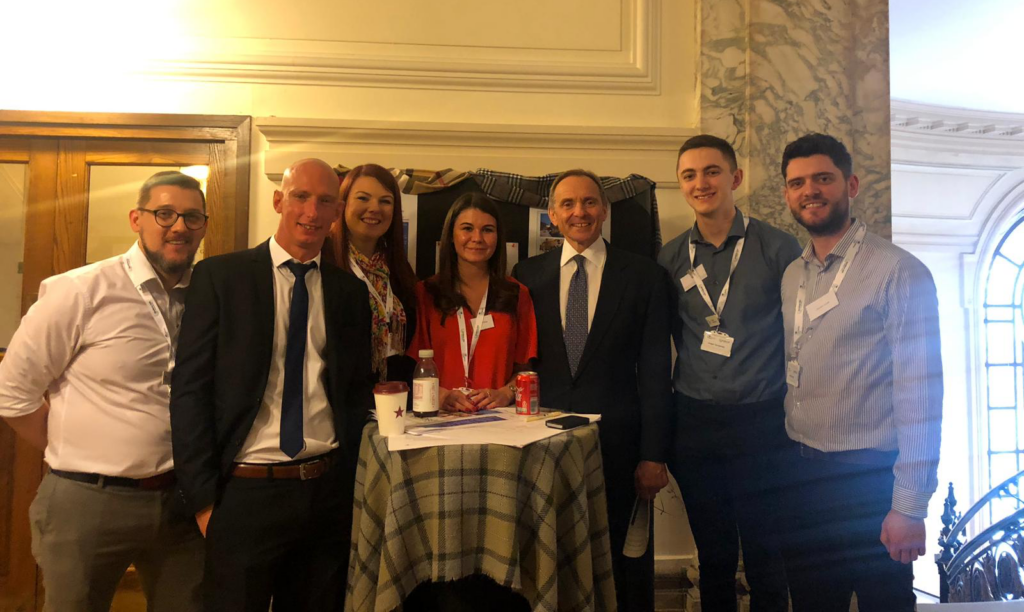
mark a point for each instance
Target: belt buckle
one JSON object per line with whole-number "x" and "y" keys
{"x": 303, "y": 475}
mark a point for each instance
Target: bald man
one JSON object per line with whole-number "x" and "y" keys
{"x": 269, "y": 395}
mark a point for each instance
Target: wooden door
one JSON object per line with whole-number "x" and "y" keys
{"x": 62, "y": 155}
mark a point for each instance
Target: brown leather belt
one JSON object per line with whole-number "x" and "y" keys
{"x": 153, "y": 483}
{"x": 865, "y": 456}
{"x": 306, "y": 470}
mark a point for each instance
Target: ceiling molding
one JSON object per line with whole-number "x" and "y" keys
{"x": 937, "y": 242}
{"x": 910, "y": 118}
{"x": 634, "y": 69}
{"x": 527, "y": 149}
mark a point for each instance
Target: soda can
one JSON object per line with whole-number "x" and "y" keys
{"x": 527, "y": 393}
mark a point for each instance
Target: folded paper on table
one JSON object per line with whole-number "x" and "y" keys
{"x": 505, "y": 427}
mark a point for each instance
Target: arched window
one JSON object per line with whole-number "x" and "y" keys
{"x": 1004, "y": 362}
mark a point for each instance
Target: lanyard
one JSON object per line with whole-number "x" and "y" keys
{"x": 161, "y": 323}
{"x": 801, "y": 294}
{"x": 478, "y": 323}
{"x": 732, "y": 268}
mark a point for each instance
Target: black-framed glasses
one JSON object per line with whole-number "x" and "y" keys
{"x": 165, "y": 217}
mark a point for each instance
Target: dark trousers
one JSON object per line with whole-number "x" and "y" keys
{"x": 634, "y": 578}
{"x": 726, "y": 460}
{"x": 831, "y": 526}
{"x": 282, "y": 539}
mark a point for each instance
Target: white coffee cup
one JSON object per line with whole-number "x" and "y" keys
{"x": 391, "y": 398}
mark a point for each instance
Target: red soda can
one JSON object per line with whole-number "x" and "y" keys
{"x": 527, "y": 393}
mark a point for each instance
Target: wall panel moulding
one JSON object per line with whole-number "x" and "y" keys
{"x": 623, "y": 57}
{"x": 525, "y": 149}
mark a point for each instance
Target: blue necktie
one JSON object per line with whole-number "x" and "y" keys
{"x": 295, "y": 361}
{"x": 575, "y": 334}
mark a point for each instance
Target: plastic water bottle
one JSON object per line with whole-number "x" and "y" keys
{"x": 426, "y": 386}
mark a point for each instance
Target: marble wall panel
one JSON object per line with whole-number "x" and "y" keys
{"x": 772, "y": 70}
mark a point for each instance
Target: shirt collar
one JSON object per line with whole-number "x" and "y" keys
{"x": 596, "y": 253}
{"x": 279, "y": 256}
{"x": 735, "y": 230}
{"x": 141, "y": 271}
{"x": 838, "y": 251}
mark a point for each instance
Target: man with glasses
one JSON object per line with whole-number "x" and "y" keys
{"x": 101, "y": 341}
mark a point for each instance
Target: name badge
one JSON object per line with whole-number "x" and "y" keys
{"x": 687, "y": 282}
{"x": 822, "y": 305}
{"x": 718, "y": 343}
{"x": 793, "y": 374}
{"x": 487, "y": 323}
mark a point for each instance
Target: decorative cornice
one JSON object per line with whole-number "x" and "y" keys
{"x": 634, "y": 69}
{"x": 915, "y": 117}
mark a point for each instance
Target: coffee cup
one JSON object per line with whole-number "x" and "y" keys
{"x": 391, "y": 398}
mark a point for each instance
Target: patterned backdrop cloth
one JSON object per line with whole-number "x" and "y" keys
{"x": 531, "y": 191}
{"x": 533, "y": 519}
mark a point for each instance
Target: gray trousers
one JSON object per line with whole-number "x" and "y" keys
{"x": 85, "y": 536}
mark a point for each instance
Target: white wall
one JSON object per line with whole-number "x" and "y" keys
{"x": 957, "y": 183}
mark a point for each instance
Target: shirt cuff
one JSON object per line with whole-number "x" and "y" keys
{"x": 910, "y": 503}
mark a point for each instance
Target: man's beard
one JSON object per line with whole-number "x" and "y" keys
{"x": 830, "y": 225}
{"x": 168, "y": 268}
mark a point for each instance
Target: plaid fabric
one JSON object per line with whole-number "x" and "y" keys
{"x": 533, "y": 519}
{"x": 416, "y": 181}
{"x": 533, "y": 191}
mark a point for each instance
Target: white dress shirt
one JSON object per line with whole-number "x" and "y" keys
{"x": 596, "y": 255}
{"x": 263, "y": 444}
{"x": 93, "y": 341}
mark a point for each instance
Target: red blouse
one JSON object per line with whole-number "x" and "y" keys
{"x": 512, "y": 340}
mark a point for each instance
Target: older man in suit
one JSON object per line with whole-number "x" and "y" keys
{"x": 603, "y": 326}
{"x": 270, "y": 391}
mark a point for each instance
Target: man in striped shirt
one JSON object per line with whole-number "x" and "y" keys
{"x": 864, "y": 400}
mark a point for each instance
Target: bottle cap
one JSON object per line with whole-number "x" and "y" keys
{"x": 426, "y": 353}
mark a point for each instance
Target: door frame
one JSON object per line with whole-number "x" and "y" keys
{"x": 59, "y": 147}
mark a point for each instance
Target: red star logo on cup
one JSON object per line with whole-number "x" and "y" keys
{"x": 398, "y": 413}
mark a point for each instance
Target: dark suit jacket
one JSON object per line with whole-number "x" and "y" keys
{"x": 625, "y": 371}
{"x": 224, "y": 353}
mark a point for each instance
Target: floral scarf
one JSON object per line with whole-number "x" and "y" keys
{"x": 388, "y": 329}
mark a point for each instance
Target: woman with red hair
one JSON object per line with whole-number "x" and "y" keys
{"x": 368, "y": 241}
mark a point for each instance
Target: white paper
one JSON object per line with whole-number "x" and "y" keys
{"x": 639, "y": 533}
{"x": 512, "y": 430}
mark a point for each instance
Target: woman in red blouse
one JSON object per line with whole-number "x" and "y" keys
{"x": 478, "y": 321}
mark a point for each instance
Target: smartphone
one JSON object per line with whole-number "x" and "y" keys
{"x": 567, "y": 422}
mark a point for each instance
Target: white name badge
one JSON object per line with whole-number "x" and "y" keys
{"x": 822, "y": 305}
{"x": 701, "y": 274}
{"x": 687, "y": 282}
{"x": 793, "y": 374}
{"x": 487, "y": 323}
{"x": 718, "y": 343}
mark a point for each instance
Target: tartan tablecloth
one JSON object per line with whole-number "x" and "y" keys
{"x": 532, "y": 518}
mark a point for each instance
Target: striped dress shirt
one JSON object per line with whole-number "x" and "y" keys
{"x": 870, "y": 368}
